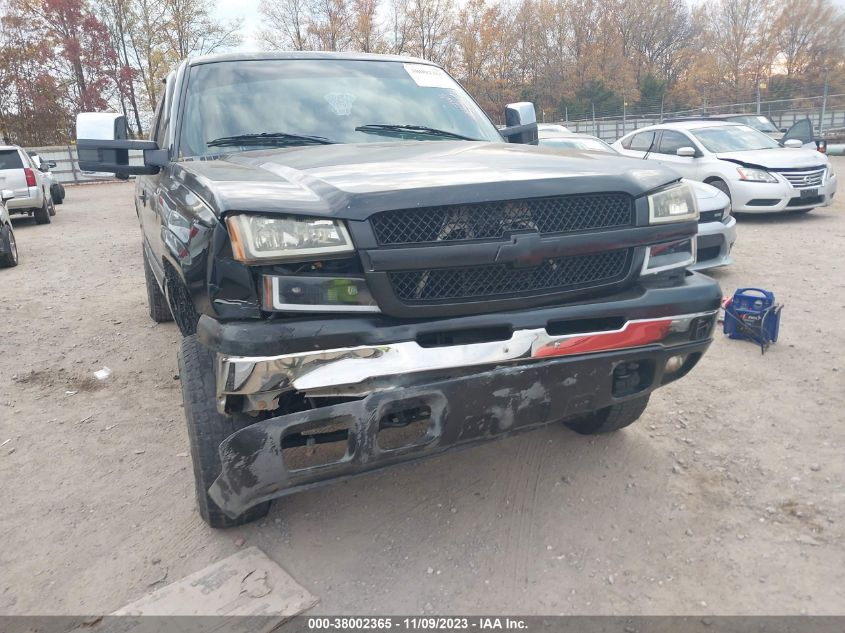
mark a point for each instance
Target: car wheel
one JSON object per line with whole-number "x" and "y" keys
{"x": 42, "y": 215}
{"x": 721, "y": 185}
{"x": 207, "y": 428}
{"x": 57, "y": 194}
{"x": 609, "y": 419}
{"x": 9, "y": 257}
{"x": 180, "y": 302}
{"x": 156, "y": 301}
{"x": 51, "y": 206}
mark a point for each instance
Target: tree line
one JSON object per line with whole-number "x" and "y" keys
{"x": 572, "y": 58}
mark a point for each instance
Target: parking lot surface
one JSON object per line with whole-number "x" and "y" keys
{"x": 725, "y": 498}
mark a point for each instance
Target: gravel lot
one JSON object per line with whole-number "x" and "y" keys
{"x": 725, "y": 498}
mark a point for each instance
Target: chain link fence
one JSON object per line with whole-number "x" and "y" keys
{"x": 827, "y": 112}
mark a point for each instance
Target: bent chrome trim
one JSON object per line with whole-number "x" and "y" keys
{"x": 349, "y": 366}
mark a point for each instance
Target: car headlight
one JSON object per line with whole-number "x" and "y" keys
{"x": 259, "y": 237}
{"x": 676, "y": 204}
{"x": 755, "y": 175}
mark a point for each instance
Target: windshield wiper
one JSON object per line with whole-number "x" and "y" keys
{"x": 389, "y": 129}
{"x": 269, "y": 138}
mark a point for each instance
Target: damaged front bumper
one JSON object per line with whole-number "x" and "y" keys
{"x": 261, "y": 462}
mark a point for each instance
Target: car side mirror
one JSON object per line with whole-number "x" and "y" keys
{"x": 51, "y": 164}
{"x": 44, "y": 168}
{"x": 793, "y": 143}
{"x": 783, "y": 130}
{"x": 688, "y": 152}
{"x": 7, "y": 194}
{"x": 520, "y": 123}
{"x": 102, "y": 144}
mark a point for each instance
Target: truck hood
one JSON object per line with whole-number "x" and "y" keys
{"x": 352, "y": 181}
{"x": 779, "y": 158}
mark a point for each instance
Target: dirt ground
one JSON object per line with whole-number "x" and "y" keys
{"x": 725, "y": 498}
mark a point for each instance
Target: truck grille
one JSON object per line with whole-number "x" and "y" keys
{"x": 553, "y": 275}
{"x": 494, "y": 220}
{"x": 804, "y": 177}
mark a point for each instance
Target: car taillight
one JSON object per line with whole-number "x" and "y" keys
{"x": 30, "y": 177}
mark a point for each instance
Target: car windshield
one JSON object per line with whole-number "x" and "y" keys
{"x": 733, "y": 138}
{"x": 758, "y": 122}
{"x": 574, "y": 142}
{"x": 327, "y": 98}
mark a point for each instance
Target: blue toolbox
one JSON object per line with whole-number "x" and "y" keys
{"x": 752, "y": 315}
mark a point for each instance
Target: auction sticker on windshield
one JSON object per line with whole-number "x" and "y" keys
{"x": 429, "y": 76}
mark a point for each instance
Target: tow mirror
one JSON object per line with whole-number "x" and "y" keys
{"x": 520, "y": 123}
{"x": 793, "y": 143}
{"x": 103, "y": 144}
{"x": 7, "y": 194}
{"x": 688, "y": 152}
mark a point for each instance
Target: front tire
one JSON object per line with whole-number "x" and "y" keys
{"x": 9, "y": 258}
{"x": 156, "y": 301}
{"x": 57, "y": 194}
{"x": 609, "y": 419}
{"x": 721, "y": 185}
{"x": 207, "y": 428}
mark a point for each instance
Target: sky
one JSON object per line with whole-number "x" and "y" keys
{"x": 246, "y": 10}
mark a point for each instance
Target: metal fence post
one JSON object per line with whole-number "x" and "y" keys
{"x": 72, "y": 164}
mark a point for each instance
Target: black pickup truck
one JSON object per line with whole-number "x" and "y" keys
{"x": 367, "y": 271}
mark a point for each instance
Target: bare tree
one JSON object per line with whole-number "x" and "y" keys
{"x": 192, "y": 30}
{"x": 286, "y": 24}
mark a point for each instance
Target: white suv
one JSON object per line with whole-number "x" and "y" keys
{"x": 19, "y": 174}
{"x": 757, "y": 173}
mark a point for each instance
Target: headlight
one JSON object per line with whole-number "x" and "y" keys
{"x": 257, "y": 237}
{"x": 755, "y": 175}
{"x": 676, "y": 204}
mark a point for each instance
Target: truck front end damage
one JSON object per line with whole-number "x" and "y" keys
{"x": 390, "y": 401}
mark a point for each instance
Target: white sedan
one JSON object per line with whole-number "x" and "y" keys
{"x": 758, "y": 174}
{"x": 716, "y": 225}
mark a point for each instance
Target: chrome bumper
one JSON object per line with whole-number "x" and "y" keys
{"x": 356, "y": 371}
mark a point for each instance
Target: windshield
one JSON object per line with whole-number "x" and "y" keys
{"x": 733, "y": 138}
{"x": 326, "y": 98}
{"x": 758, "y": 122}
{"x": 586, "y": 144}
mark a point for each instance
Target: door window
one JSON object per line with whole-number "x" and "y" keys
{"x": 671, "y": 142}
{"x": 802, "y": 130}
{"x": 642, "y": 142}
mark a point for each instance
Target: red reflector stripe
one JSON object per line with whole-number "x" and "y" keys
{"x": 30, "y": 177}
{"x": 637, "y": 333}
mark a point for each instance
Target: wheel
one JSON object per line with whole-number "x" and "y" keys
{"x": 156, "y": 301}
{"x": 57, "y": 192}
{"x": 9, "y": 257}
{"x": 180, "y": 302}
{"x": 42, "y": 215}
{"x": 610, "y": 418}
{"x": 207, "y": 428}
{"x": 721, "y": 185}
{"x": 51, "y": 206}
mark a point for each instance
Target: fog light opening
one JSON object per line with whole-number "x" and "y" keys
{"x": 674, "y": 363}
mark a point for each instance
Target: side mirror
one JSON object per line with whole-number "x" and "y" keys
{"x": 520, "y": 123}
{"x": 102, "y": 145}
{"x": 51, "y": 164}
{"x": 793, "y": 143}
{"x": 688, "y": 152}
{"x": 44, "y": 168}
{"x": 783, "y": 130}
{"x": 7, "y": 194}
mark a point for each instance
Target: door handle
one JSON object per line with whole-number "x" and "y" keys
{"x": 143, "y": 197}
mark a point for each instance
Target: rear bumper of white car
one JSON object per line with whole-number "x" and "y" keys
{"x": 714, "y": 244}
{"x": 25, "y": 200}
{"x": 764, "y": 197}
